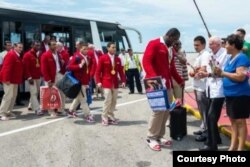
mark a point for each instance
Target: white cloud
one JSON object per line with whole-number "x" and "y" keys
{"x": 6, "y": 4}
{"x": 153, "y": 18}
{"x": 60, "y": 3}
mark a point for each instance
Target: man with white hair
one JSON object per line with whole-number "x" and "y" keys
{"x": 214, "y": 91}
{"x": 78, "y": 45}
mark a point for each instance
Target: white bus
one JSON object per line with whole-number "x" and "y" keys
{"x": 25, "y": 26}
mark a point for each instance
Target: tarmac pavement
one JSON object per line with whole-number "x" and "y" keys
{"x": 39, "y": 141}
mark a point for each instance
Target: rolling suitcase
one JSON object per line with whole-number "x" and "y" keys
{"x": 178, "y": 123}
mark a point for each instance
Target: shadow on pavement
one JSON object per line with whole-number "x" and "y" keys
{"x": 26, "y": 116}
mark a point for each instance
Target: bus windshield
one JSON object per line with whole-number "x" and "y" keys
{"x": 111, "y": 33}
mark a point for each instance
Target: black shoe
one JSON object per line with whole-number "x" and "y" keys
{"x": 208, "y": 148}
{"x": 201, "y": 138}
{"x": 20, "y": 104}
{"x": 131, "y": 93}
{"x": 140, "y": 93}
{"x": 199, "y": 132}
{"x": 219, "y": 142}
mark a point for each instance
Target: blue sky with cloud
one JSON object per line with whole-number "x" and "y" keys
{"x": 152, "y": 17}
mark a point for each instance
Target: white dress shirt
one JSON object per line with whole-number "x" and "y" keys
{"x": 202, "y": 60}
{"x": 122, "y": 57}
{"x": 58, "y": 68}
{"x": 46, "y": 47}
{"x": 2, "y": 55}
{"x": 214, "y": 86}
{"x": 112, "y": 57}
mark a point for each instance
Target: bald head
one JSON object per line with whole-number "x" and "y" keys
{"x": 59, "y": 46}
{"x": 91, "y": 46}
{"x": 215, "y": 43}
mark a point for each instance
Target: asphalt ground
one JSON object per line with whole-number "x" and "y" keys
{"x": 40, "y": 141}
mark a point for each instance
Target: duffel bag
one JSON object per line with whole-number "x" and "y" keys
{"x": 69, "y": 85}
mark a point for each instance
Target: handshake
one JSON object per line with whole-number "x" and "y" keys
{"x": 198, "y": 72}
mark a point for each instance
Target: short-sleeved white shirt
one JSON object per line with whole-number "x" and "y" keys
{"x": 200, "y": 61}
{"x": 214, "y": 86}
{"x": 122, "y": 57}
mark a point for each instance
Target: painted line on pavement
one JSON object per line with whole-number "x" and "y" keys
{"x": 59, "y": 119}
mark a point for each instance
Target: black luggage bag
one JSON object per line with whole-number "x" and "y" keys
{"x": 178, "y": 123}
{"x": 69, "y": 85}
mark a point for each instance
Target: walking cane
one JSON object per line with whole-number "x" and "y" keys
{"x": 209, "y": 35}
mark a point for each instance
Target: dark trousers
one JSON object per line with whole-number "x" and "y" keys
{"x": 203, "y": 106}
{"x": 134, "y": 73}
{"x": 215, "y": 106}
{"x": 127, "y": 81}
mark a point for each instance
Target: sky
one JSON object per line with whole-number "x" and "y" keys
{"x": 152, "y": 17}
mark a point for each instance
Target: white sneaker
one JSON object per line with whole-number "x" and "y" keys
{"x": 39, "y": 112}
{"x": 89, "y": 118}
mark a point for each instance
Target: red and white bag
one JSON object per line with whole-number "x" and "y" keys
{"x": 50, "y": 98}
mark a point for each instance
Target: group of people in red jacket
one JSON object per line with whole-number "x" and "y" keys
{"x": 86, "y": 65}
{"x": 46, "y": 62}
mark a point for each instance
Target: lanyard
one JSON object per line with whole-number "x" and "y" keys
{"x": 113, "y": 64}
{"x": 87, "y": 63}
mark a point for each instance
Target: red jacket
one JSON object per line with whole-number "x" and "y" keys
{"x": 32, "y": 65}
{"x": 156, "y": 63}
{"x": 76, "y": 53}
{"x": 12, "y": 69}
{"x": 103, "y": 72}
{"x": 43, "y": 48}
{"x": 92, "y": 53}
{"x": 64, "y": 55}
{"x": 81, "y": 74}
{"x": 48, "y": 66}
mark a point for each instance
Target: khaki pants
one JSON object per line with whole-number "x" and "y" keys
{"x": 9, "y": 98}
{"x": 157, "y": 122}
{"x": 34, "y": 89}
{"x": 59, "y": 76}
{"x": 81, "y": 100}
{"x": 109, "y": 102}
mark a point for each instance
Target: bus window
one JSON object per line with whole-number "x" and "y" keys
{"x": 63, "y": 37}
{"x": 59, "y": 33}
{"x": 31, "y": 33}
{"x": 107, "y": 34}
{"x": 111, "y": 33}
{"x": 83, "y": 34}
{"x": 12, "y": 31}
{"x": 124, "y": 39}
